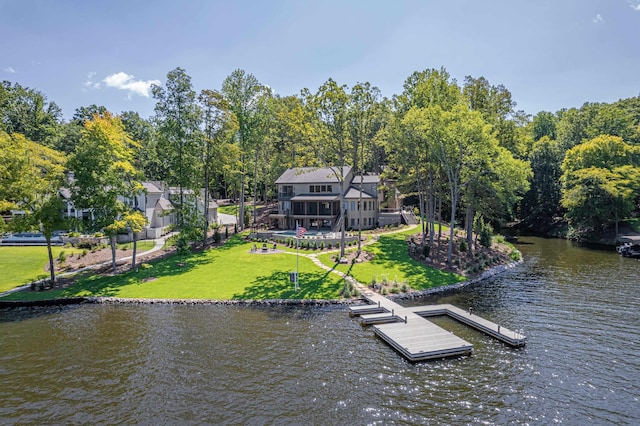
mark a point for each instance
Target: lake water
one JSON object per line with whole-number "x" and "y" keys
{"x": 164, "y": 364}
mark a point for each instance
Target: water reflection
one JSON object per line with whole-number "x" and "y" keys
{"x": 237, "y": 365}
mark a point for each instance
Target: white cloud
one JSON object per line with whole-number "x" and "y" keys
{"x": 124, "y": 81}
{"x": 634, "y": 4}
{"x": 10, "y": 70}
{"x": 598, "y": 18}
{"x": 90, "y": 83}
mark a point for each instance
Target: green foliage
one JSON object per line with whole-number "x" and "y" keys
{"x": 601, "y": 180}
{"x": 515, "y": 255}
{"x": 462, "y": 245}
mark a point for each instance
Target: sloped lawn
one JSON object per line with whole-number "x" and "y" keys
{"x": 226, "y": 272}
{"x": 392, "y": 262}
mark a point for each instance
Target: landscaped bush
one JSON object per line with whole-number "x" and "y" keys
{"x": 62, "y": 256}
{"x": 515, "y": 255}
{"x": 426, "y": 250}
{"x": 462, "y": 245}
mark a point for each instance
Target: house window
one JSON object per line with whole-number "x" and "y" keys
{"x": 324, "y": 188}
{"x": 353, "y": 206}
{"x": 317, "y": 188}
{"x": 312, "y": 188}
{"x": 353, "y": 222}
{"x": 329, "y": 188}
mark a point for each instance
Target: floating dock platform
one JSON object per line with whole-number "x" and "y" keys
{"x": 416, "y": 338}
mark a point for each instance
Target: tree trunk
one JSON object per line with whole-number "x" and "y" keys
{"x": 360, "y": 215}
{"x": 469, "y": 220}
{"x": 431, "y": 210}
{"x": 206, "y": 194}
{"x": 112, "y": 240}
{"x": 342, "y": 216}
{"x": 421, "y": 213}
{"x": 241, "y": 199}
{"x": 452, "y": 224}
{"x": 52, "y": 272}
{"x": 135, "y": 251}
{"x": 255, "y": 191}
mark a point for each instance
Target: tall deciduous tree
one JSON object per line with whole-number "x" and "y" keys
{"x": 178, "y": 118}
{"x": 243, "y": 92}
{"x": 600, "y": 182}
{"x": 30, "y": 177}
{"x": 219, "y": 123}
{"x": 26, "y": 111}
{"x": 364, "y": 123}
{"x": 104, "y": 174}
{"x": 334, "y": 149}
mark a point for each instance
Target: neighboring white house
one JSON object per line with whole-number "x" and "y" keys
{"x": 310, "y": 197}
{"x": 154, "y": 202}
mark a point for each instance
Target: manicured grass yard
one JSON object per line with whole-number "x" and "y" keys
{"x": 391, "y": 261}
{"x": 21, "y": 265}
{"x": 227, "y": 272}
{"x": 141, "y": 246}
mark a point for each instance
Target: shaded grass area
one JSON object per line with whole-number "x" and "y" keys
{"x": 392, "y": 262}
{"x": 227, "y": 272}
{"x": 21, "y": 265}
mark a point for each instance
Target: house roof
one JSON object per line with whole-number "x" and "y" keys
{"x": 307, "y": 197}
{"x": 153, "y": 187}
{"x": 366, "y": 179}
{"x": 65, "y": 192}
{"x": 163, "y": 204}
{"x": 354, "y": 193}
{"x": 312, "y": 175}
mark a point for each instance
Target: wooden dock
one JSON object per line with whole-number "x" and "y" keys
{"x": 416, "y": 338}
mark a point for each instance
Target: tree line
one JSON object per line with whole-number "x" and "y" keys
{"x": 461, "y": 152}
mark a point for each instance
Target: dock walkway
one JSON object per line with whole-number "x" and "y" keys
{"x": 410, "y": 333}
{"x": 417, "y": 339}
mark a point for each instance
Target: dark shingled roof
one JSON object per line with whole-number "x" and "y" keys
{"x": 312, "y": 175}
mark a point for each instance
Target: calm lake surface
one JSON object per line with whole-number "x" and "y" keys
{"x": 155, "y": 364}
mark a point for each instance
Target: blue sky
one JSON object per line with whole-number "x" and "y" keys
{"x": 549, "y": 53}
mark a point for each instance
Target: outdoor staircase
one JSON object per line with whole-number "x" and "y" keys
{"x": 409, "y": 218}
{"x": 338, "y": 224}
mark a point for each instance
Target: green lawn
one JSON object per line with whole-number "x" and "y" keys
{"x": 232, "y": 209}
{"x": 144, "y": 245}
{"x": 392, "y": 262}
{"x": 228, "y": 272}
{"x": 21, "y": 265}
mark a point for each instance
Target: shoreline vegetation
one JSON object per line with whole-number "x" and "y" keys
{"x": 229, "y": 273}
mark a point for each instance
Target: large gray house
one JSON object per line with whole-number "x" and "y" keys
{"x": 310, "y": 197}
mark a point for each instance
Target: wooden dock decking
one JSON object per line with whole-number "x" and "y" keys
{"x": 417, "y": 339}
